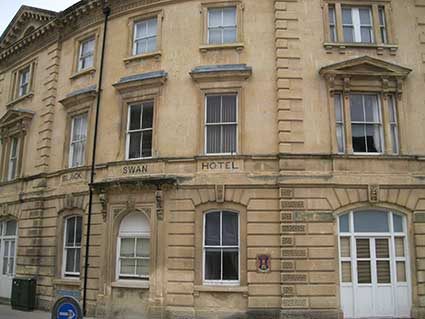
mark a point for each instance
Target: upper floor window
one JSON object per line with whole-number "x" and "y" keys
{"x": 348, "y": 23}
{"x": 86, "y": 54}
{"x": 366, "y": 105}
{"x": 72, "y": 246}
{"x": 145, "y": 36}
{"x": 77, "y": 152}
{"x": 139, "y": 130}
{"x": 221, "y": 248}
{"x": 221, "y": 124}
{"x": 133, "y": 247}
{"x": 13, "y": 158}
{"x": 24, "y": 81}
{"x": 222, "y": 25}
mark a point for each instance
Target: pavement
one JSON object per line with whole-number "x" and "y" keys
{"x": 6, "y": 312}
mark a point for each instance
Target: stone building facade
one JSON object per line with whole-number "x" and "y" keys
{"x": 253, "y": 158}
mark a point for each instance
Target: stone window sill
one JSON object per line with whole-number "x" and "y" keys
{"x": 208, "y": 47}
{"x": 156, "y": 55}
{"x": 81, "y": 73}
{"x": 20, "y": 99}
{"x": 342, "y": 46}
{"x": 218, "y": 288}
{"x": 130, "y": 284}
{"x": 67, "y": 282}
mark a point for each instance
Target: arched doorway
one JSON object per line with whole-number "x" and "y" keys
{"x": 8, "y": 238}
{"x": 374, "y": 264}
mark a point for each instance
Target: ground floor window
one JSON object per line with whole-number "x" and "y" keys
{"x": 221, "y": 247}
{"x": 374, "y": 266}
{"x": 72, "y": 246}
{"x": 134, "y": 247}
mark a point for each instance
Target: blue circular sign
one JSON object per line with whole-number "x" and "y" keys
{"x": 67, "y": 308}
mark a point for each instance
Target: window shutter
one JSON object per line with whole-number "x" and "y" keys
{"x": 383, "y": 270}
{"x": 364, "y": 272}
{"x": 382, "y": 250}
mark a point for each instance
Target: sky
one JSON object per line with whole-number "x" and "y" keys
{"x": 8, "y": 8}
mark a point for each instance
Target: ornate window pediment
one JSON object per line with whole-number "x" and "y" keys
{"x": 15, "y": 121}
{"x": 365, "y": 73}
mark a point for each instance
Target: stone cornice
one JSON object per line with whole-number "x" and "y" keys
{"x": 225, "y": 72}
{"x": 79, "y": 97}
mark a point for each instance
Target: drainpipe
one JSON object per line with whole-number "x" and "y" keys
{"x": 106, "y": 12}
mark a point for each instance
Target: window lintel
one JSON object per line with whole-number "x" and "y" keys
{"x": 221, "y": 73}
{"x": 129, "y": 85}
{"x": 15, "y": 121}
{"x": 80, "y": 99}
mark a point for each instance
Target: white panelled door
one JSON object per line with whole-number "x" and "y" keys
{"x": 8, "y": 238}
{"x": 374, "y": 268}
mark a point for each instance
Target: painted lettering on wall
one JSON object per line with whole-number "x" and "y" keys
{"x": 72, "y": 177}
{"x": 134, "y": 169}
{"x": 219, "y": 165}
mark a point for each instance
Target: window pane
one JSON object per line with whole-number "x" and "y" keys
{"x": 5, "y": 261}
{"x": 366, "y": 34}
{"x": 10, "y": 228}
{"x": 141, "y": 46}
{"x": 151, "y": 44}
{"x": 373, "y": 138}
{"x": 331, "y": 15}
{"x": 141, "y": 29}
{"x": 214, "y": 17}
{"x": 134, "y": 148}
{"x": 230, "y": 229}
{"x": 371, "y": 221}
{"x": 143, "y": 247}
{"x": 147, "y": 115}
{"x": 363, "y": 248}
{"x": 371, "y": 108}
{"x": 212, "y": 229}
{"x": 229, "y": 108}
{"x": 346, "y": 271}
{"x": 399, "y": 247}
{"x": 135, "y": 114}
{"x": 70, "y": 260}
{"x": 70, "y": 231}
{"x": 363, "y": 272}
{"x": 142, "y": 267}
{"x": 344, "y": 223}
{"x": 212, "y": 264}
{"x": 79, "y": 230}
{"x": 340, "y": 137}
{"x": 230, "y": 265}
{"x": 345, "y": 247}
{"x": 152, "y": 27}
{"x": 401, "y": 271}
{"x": 398, "y": 223}
{"x": 213, "y": 139}
{"x": 147, "y": 144}
{"x": 213, "y": 109}
{"x": 229, "y": 35}
{"x": 214, "y": 36}
{"x": 382, "y": 248}
{"x": 229, "y": 138}
{"x": 346, "y": 16}
{"x": 338, "y": 108}
{"x": 348, "y": 34}
{"x": 333, "y": 33}
{"x": 365, "y": 16}
{"x": 383, "y": 271}
{"x": 11, "y": 266}
{"x": 127, "y": 266}
{"x": 356, "y": 108}
{"x": 127, "y": 247}
{"x": 359, "y": 141}
{"x": 77, "y": 260}
{"x": 229, "y": 16}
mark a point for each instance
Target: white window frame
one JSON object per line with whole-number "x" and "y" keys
{"x": 65, "y": 273}
{"x": 128, "y": 131}
{"x": 391, "y": 235}
{"x": 147, "y": 37}
{"x": 24, "y": 81}
{"x": 356, "y": 24}
{"x": 383, "y": 24}
{"x": 365, "y": 123}
{"x": 135, "y": 236}
{"x": 82, "y": 57}
{"x": 332, "y": 26}
{"x": 13, "y": 159}
{"x": 8, "y": 238}
{"x": 221, "y": 27}
{"x": 221, "y": 247}
{"x": 392, "y": 105}
{"x": 81, "y": 141}
{"x": 340, "y": 123}
{"x": 221, "y": 124}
